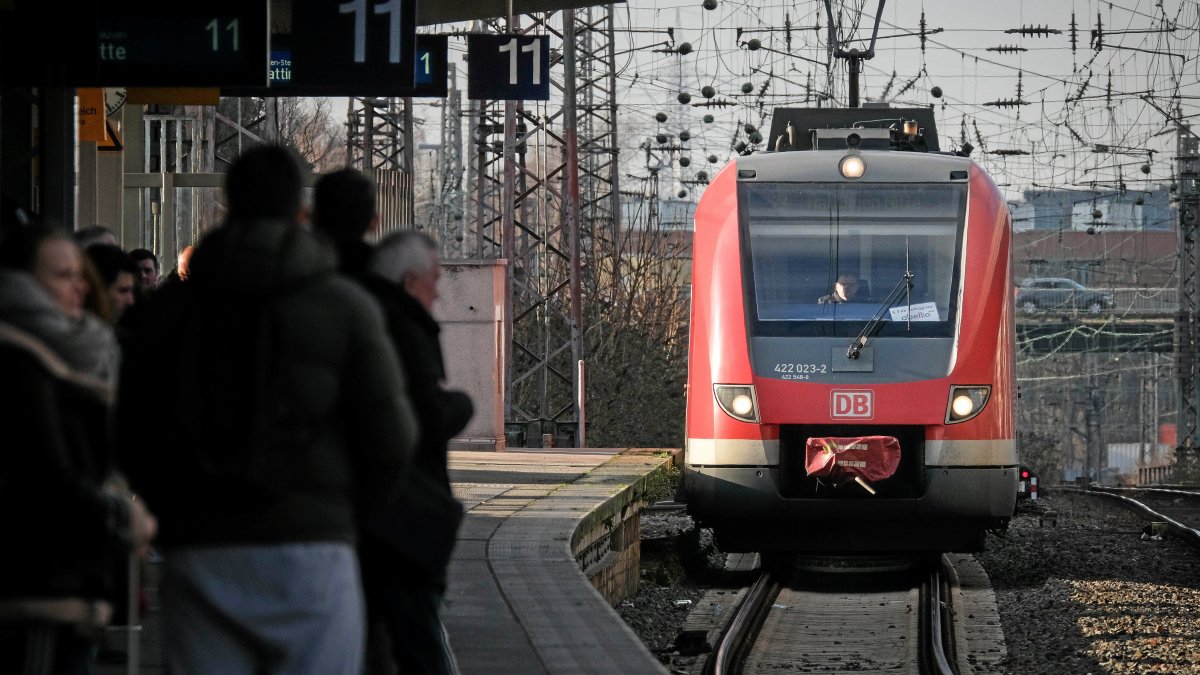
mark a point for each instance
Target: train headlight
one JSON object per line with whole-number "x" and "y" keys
{"x": 966, "y": 402}
{"x": 852, "y": 166}
{"x": 962, "y": 405}
{"x": 738, "y": 401}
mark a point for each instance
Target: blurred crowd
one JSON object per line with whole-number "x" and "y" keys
{"x": 269, "y": 420}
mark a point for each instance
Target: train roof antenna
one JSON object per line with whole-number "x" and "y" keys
{"x": 854, "y": 58}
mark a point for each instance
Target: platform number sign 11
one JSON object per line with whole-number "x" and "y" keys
{"x": 390, "y": 8}
{"x": 508, "y": 66}
{"x": 354, "y": 42}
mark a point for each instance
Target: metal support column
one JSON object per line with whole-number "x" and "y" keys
{"x": 450, "y": 220}
{"x": 543, "y": 195}
{"x": 1187, "y": 332}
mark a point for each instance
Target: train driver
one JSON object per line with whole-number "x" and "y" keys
{"x": 844, "y": 290}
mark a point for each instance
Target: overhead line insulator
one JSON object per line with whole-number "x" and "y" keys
{"x": 1007, "y": 49}
{"x": 1035, "y": 31}
{"x": 978, "y": 136}
{"x": 888, "y": 87}
{"x": 908, "y": 85}
{"x": 1083, "y": 87}
{"x": 923, "y": 33}
{"x": 1007, "y": 103}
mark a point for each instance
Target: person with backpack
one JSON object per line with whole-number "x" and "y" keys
{"x": 284, "y": 416}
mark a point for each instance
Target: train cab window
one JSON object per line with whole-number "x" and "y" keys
{"x": 824, "y": 256}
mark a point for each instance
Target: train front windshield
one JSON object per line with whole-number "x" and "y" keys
{"x": 825, "y": 258}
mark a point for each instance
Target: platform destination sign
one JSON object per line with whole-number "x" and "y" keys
{"x": 352, "y": 43}
{"x": 133, "y": 43}
{"x": 286, "y": 79}
{"x": 508, "y": 66}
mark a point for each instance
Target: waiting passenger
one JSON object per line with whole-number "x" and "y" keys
{"x": 117, "y": 274}
{"x": 182, "y": 268}
{"x": 285, "y": 414}
{"x": 147, "y": 265}
{"x": 344, "y": 212}
{"x": 57, "y": 263}
{"x": 405, "y": 548}
{"x": 69, "y": 523}
{"x": 844, "y": 290}
{"x": 93, "y": 235}
{"x": 406, "y": 585}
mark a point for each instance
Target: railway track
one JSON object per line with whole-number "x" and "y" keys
{"x": 1177, "y": 511}
{"x": 820, "y": 615}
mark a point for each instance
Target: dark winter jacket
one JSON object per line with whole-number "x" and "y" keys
{"x": 442, "y": 413}
{"x": 64, "y": 532}
{"x": 416, "y": 335}
{"x": 353, "y": 257}
{"x": 262, "y": 401}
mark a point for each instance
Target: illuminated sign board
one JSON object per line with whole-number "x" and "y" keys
{"x": 354, "y": 43}
{"x": 508, "y": 66}
{"x": 132, "y": 43}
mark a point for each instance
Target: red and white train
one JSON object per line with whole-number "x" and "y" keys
{"x": 850, "y": 375}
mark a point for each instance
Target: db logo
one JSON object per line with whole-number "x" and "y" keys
{"x": 852, "y": 404}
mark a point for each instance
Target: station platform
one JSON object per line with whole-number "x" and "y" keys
{"x": 548, "y": 545}
{"x": 518, "y": 600}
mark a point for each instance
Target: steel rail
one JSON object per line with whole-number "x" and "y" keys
{"x": 936, "y": 625}
{"x": 1167, "y": 492}
{"x": 1188, "y": 535}
{"x": 744, "y": 625}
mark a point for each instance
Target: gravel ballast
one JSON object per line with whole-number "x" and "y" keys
{"x": 1090, "y": 595}
{"x": 1087, "y": 594}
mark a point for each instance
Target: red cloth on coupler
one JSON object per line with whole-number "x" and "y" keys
{"x": 841, "y": 459}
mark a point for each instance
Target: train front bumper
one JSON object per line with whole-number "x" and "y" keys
{"x": 953, "y": 506}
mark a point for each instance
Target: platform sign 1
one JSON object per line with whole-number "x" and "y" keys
{"x": 431, "y": 67}
{"x": 354, "y": 42}
{"x": 508, "y": 66}
{"x": 430, "y": 63}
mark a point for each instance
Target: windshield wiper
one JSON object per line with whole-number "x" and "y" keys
{"x": 904, "y": 287}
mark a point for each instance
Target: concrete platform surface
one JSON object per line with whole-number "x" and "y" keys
{"x": 517, "y": 600}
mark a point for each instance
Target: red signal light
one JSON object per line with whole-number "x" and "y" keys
{"x": 1024, "y": 473}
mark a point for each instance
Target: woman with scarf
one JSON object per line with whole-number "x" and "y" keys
{"x": 68, "y": 523}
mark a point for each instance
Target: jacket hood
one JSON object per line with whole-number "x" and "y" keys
{"x": 260, "y": 258}
{"x": 88, "y": 344}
